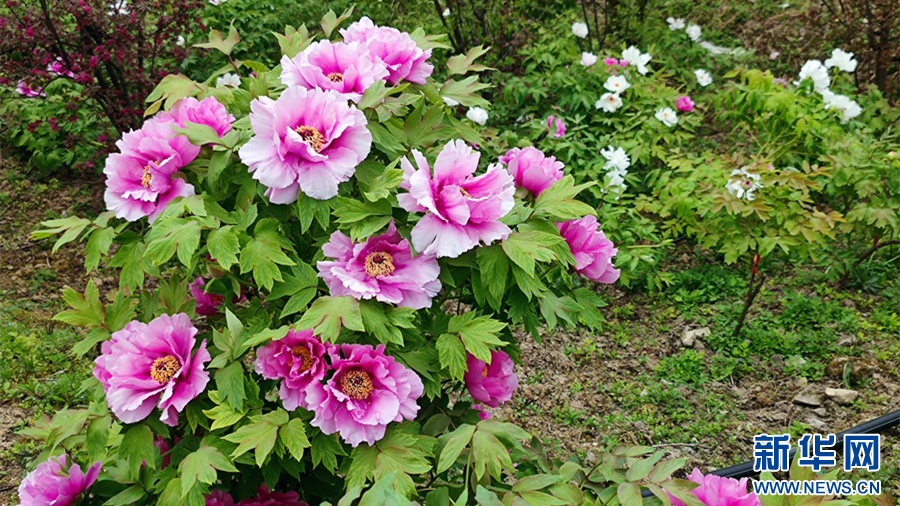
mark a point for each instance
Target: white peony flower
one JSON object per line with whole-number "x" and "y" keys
{"x": 634, "y": 57}
{"x": 446, "y": 12}
{"x": 580, "y": 30}
{"x": 609, "y": 102}
{"x": 813, "y": 69}
{"x": 588, "y": 59}
{"x": 667, "y": 116}
{"x": 744, "y": 185}
{"x": 774, "y": 55}
{"x": 703, "y": 77}
{"x": 119, "y": 7}
{"x": 616, "y": 182}
{"x": 616, "y": 159}
{"x": 477, "y": 115}
{"x": 217, "y": 2}
{"x": 694, "y": 32}
{"x": 450, "y": 102}
{"x": 179, "y": 41}
{"x": 842, "y": 103}
{"x": 675, "y": 23}
{"x": 842, "y": 60}
{"x": 616, "y": 84}
{"x": 229, "y": 79}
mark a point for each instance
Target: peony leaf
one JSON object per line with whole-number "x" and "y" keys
{"x": 223, "y": 45}
{"x": 230, "y": 383}
{"x": 453, "y": 444}
{"x": 293, "y": 436}
{"x": 328, "y": 314}
{"x": 201, "y": 466}
{"x": 452, "y": 355}
{"x": 460, "y": 64}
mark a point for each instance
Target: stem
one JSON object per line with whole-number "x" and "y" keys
{"x": 868, "y": 253}
{"x": 752, "y": 292}
{"x": 590, "y": 39}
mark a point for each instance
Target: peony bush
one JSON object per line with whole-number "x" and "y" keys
{"x": 322, "y": 282}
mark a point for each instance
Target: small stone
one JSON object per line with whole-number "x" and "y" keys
{"x": 778, "y": 360}
{"x": 644, "y": 393}
{"x": 795, "y": 361}
{"x": 807, "y": 397}
{"x": 841, "y": 396}
{"x": 801, "y": 382}
{"x": 690, "y": 336}
{"x": 820, "y": 411}
{"x": 847, "y": 341}
{"x": 817, "y": 424}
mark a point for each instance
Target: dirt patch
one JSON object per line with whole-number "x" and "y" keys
{"x": 11, "y": 418}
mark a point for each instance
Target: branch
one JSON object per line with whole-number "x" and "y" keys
{"x": 869, "y": 252}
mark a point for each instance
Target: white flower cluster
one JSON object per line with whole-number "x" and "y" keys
{"x": 612, "y": 100}
{"x": 816, "y": 71}
{"x": 693, "y": 30}
{"x": 668, "y": 116}
{"x": 580, "y": 30}
{"x": 229, "y": 79}
{"x": 634, "y": 57}
{"x": 477, "y": 115}
{"x": 617, "y": 163}
{"x": 743, "y": 184}
{"x": 588, "y": 59}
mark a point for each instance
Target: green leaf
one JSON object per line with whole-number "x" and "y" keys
{"x": 308, "y": 208}
{"x": 293, "y": 436}
{"x": 126, "y": 497}
{"x": 379, "y": 324}
{"x": 452, "y": 355}
{"x": 325, "y": 450}
{"x": 199, "y": 134}
{"x": 119, "y": 313}
{"x": 558, "y": 203}
{"x": 293, "y": 41}
{"x": 172, "y": 88}
{"x": 330, "y": 21}
{"x": 536, "y": 482}
{"x": 490, "y": 455}
{"x": 97, "y": 437}
{"x": 230, "y": 383}
{"x": 137, "y": 448}
{"x": 485, "y": 497}
{"x": 130, "y": 258}
{"x": 169, "y": 235}
{"x": 260, "y": 435}
{"x": 87, "y": 311}
{"x": 381, "y": 186}
{"x": 629, "y": 494}
{"x": 453, "y": 444}
{"x": 478, "y": 335}
{"x": 328, "y": 314}
{"x": 524, "y": 248}
{"x": 98, "y": 244}
{"x": 263, "y": 252}
{"x": 224, "y": 246}
{"x": 465, "y": 91}
{"x": 494, "y": 267}
{"x": 201, "y": 466}
{"x": 94, "y": 336}
{"x": 223, "y": 45}
{"x": 665, "y": 470}
{"x": 362, "y": 465}
{"x": 460, "y": 64}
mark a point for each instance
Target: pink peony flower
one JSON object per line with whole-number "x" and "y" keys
{"x": 531, "y": 169}
{"x": 484, "y": 415}
{"x": 57, "y": 67}
{"x": 718, "y": 491}
{"x": 27, "y": 91}
{"x": 140, "y": 180}
{"x": 560, "y": 126}
{"x": 461, "y": 209}
{"x": 267, "y": 498}
{"x": 348, "y": 68}
{"x": 593, "y": 252}
{"x": 298, "y": 360}
{"x": 219, "y": 498}
{"x": 368, "y": 391}
{"x": 396, "y": 49}
{"x": 308, "y": 140}
{"x": 491, "y": 384}
{"x": 610, "y": 62}
{"x": 207, "y": 303}
{"x": 382, "y": 267}
{"x": 56, "y": 482}
{"x": 146, "y": 365}
{"x": 207, "y": 112}
{"x": 684, "y": 103}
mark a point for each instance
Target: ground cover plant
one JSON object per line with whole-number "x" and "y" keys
{"x": 345, "y": 264}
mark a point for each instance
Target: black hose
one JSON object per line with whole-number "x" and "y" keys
{"x": 880, "y": 424}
